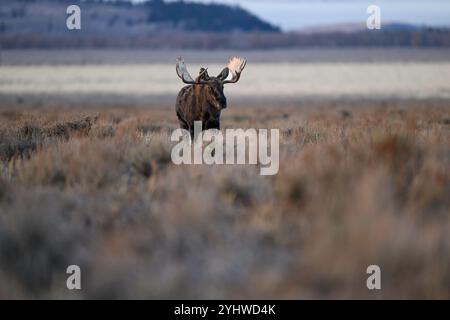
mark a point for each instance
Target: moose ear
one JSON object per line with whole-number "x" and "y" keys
{"x": 224, "y": 74}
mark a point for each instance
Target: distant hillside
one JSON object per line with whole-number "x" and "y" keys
{"x": 125, "y": 18}
{"x": 204, "y": 17}
{"x": 178, "y": 24}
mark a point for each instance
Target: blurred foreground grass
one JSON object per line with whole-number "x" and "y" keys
{"x": 96, "y": 188}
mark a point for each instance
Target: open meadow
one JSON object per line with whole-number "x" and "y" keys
{"x": 360, "y": 183}
{"x": 219, "y": 156}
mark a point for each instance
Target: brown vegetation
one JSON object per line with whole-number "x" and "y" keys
{"x": 357, "y": 186}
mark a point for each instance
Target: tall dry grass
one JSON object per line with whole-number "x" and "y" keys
{"x": 357, "y": 186}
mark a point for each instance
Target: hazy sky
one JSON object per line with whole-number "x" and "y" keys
{"x": 296, "y": 14}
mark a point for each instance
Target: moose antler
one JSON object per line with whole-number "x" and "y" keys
{"x": 235, "y": 65}
{"x": 184, "y": 75}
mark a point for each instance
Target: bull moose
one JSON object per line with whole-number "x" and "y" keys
{"x": 203, "y": 99}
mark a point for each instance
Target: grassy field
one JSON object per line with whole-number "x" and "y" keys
{"x": 359, "y": 184}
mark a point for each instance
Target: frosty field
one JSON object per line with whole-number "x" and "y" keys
{"x": 283, "y": 80}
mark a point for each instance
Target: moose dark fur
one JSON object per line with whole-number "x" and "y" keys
{"x": 203, "y": 99}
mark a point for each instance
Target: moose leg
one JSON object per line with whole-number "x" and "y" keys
{"x": 205, "y": 120}
{"x": 182, "y": 122}
{"x": 213, "y": 124}
{"x": 191, "y": 130}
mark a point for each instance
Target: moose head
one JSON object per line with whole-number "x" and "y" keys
{"x": 203, "y": 98}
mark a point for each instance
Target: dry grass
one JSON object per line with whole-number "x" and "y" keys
{"x": 357, "y": 186}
